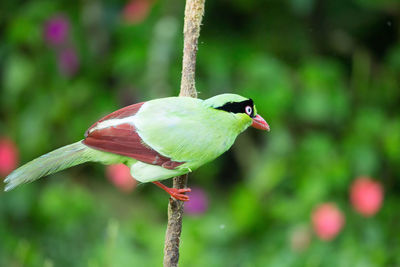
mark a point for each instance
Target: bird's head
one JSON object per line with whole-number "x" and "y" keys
{"x": 240, "y": 107}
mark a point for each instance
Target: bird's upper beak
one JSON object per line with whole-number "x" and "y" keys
{"x": 260, "y": 123}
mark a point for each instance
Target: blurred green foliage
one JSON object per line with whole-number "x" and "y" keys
{"x": 324, "y": 74}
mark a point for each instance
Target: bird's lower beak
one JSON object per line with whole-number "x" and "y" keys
{"x": 260, "y": 123}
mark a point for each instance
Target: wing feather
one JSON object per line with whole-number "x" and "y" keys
{"x": 123, "y": 139}
{"x": 118, "y": 114}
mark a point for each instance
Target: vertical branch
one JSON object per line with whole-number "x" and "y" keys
{"x": 194, "y": 11}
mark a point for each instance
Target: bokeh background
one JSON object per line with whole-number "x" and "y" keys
{"x": 321, "y": 189}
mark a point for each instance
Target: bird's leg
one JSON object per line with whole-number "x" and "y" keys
{"x": 174, "y": 192}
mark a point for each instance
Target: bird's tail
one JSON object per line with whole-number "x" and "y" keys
{"x": 54, "y": 161}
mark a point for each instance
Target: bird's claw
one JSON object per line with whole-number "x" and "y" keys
{"x": 179, "y": 193}
{"x": 175, "y": 192}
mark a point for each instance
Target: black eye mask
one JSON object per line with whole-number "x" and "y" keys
{"x": 238, "y": 107}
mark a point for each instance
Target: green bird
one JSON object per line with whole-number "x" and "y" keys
{"x": 157, "y": 139}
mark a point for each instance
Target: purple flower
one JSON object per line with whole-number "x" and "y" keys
{"x": 68, "y": 62}
{"x": 198, "y": 203}
{"x": 56, "y": 30}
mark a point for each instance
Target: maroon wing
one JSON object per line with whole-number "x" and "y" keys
{"x": 122, "y": 139}
{"x": 118, "y": 114}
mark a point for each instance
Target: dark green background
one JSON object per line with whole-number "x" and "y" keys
{"x": 324, "y": 74}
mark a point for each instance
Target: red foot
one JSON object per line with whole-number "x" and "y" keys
{"x": 175, "y": 193}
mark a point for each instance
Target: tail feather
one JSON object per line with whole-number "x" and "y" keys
{"x": 57, "y": 160}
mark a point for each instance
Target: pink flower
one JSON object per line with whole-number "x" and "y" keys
{"x": 120, "y": 176}
{"x": 198, "y": 203}
{"x": 8, "y": 156}
{"x": 366, "y": 196}
{"x": 327, "y": 221}
{"x": 56, "y": 30}
{"x": 136, "y": 11}
{"x": 68, "y": 61}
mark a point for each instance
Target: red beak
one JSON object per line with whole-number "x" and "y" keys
{"x": 260, "y": 123}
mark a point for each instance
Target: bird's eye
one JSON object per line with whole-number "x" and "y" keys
{"x": 248, "y": 110}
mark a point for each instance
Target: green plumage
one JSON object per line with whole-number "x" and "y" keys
{"x": 207, "y": 133}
